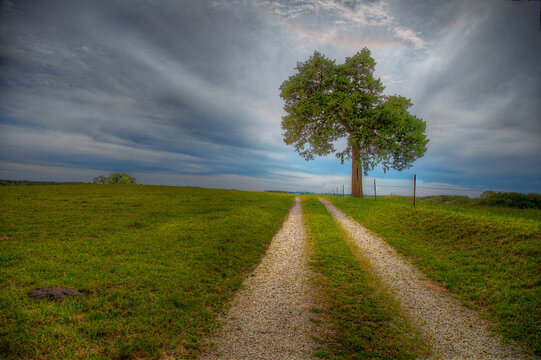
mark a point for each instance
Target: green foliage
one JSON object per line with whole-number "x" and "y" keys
{"x": 115, "y": 178}
{"x": 308, "y": 125}
{"x": 367, "y": 322}
{"x": 156, "y": 265}
{"x": 400, "y": 138}
{"x": 120, "y": 178}
{"x": 513, "y": 199}
{"x": 101, "y": 179}
{"x": 489, "y": 258}
{"x": 487, "y": 194}
{"x": 325, "y": 102}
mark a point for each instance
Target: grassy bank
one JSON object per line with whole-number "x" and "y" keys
{"x": 465, "y": 205}
{"x": 156, "y": 264}
{"x": 366, "y": 322}
{"x": 489, "y": 257}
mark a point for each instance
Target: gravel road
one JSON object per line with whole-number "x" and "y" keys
{"x": 453, "y": 331}
{"x": 270, "y": 317}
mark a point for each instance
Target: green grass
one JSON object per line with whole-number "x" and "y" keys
{"x": 156, "y": 265}
{"x": 465, "y": 205}
{"x": 366, "y": 321}
{"x": 489, "y": 257}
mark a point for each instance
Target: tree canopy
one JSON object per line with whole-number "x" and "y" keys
{"x": 100, "y": 179}
{"x": 115, "y": 178}
{"x": 325, "y": 102}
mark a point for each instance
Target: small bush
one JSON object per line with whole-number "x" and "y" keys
{"x": 116, "y": 178}
{"x": 512, "y": 199}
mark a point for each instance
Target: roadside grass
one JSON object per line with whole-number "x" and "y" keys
{"x": 366, "y": 321}
{"x": 156, "y": 265}
{"x": 490, "y": 258}
{"x": 467, "y": 206}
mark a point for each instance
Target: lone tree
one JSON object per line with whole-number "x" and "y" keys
{"x": 120, "y": 178}
{"x": 325, "y": 102}
{"x": 115, "y": 178}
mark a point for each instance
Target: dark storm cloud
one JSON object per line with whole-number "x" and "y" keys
{"x": 169, "y": 80}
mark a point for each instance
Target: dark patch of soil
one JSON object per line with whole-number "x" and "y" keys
{"x": 52, "y": 292}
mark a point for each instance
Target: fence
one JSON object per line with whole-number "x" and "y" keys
{"x": 412, "y": 190}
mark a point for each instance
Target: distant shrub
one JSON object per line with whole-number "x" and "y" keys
{"x": 116, "y": 178}
{"x": 120, "y": 178}
{"x": 100, "y": 180}
{"x": 512, "y": 199}
{"x": 487, "y": 194}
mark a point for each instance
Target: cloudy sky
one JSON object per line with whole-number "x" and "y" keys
{"x": 186, "y": 92}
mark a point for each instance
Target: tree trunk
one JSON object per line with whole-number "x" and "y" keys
{"x": 356, "y": 174}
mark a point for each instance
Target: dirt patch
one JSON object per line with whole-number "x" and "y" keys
{"x": 433, "y": 285}
{"x": 8, "y": 237}
{"x": 53, "y": 293}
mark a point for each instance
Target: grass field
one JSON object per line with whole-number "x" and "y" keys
{"x": 462, "y": 204}
{"x": 156, "y": 264}
{"x": 366, "y": 321}
{"x": 490, "y": 257}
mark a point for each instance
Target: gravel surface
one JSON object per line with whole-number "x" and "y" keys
{"x": 270, "y": 317}
{"x": 453, "y": 331}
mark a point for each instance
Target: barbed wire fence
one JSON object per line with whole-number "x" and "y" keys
{"x": 412, "y": 189}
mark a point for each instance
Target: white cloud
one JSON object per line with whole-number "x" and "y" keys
{"x": 390, "y": 79}
{"x": 335, "y": 22}
{"x": 410, "y": 36}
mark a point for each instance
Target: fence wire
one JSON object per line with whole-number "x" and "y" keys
{"x": 368, "y": 189}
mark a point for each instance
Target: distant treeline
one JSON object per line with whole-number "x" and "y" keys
{"x": 492, "y": 198}
{"x": 513, "y": 199}
{"x": 29, "y": 182}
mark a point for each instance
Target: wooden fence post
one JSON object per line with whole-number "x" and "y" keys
{"x": 414, "y": 186}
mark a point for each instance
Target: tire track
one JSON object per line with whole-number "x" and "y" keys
{"x": 270, "y": 317}
{"x": 453, "y": 331}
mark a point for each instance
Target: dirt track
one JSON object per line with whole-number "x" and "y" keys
{"x": 453, "y": 331}
{"x": 270, "y": 317}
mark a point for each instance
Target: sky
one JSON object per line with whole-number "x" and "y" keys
{"x": 186, "y": 92}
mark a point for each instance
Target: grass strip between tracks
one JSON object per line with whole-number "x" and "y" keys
{"x": 366, "y": 323}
